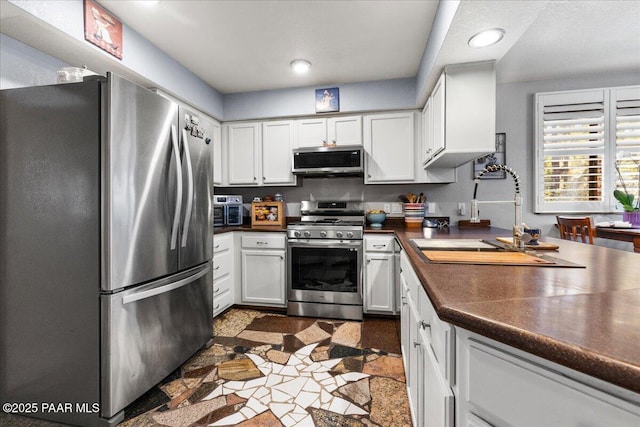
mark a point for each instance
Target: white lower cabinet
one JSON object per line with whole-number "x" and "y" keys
{"x": 223, "y": 272}
{"x": 430, "y": 394}
{"x": 379, "y": 275}
{"x": 502, "y": 386}
{"x": 263, "y": 268}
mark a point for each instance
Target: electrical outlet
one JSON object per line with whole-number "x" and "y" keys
{"x": 462, "y": 209}
{"x": 431, "y": 207}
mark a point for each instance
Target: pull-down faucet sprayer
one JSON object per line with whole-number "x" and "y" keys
{"x": 517, "y": 201}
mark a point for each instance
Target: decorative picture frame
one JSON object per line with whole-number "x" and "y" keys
{"x": 498, "y": 157}
{"x": 102, "y": 29}
{"x": 328, "y": 100}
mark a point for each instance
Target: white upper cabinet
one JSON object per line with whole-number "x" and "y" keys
{"x": 278, "y": 139}
{"x": 463, "y": 105}
{"x": 389, "y": 142}
{"x": 243, "y": 147}
{"x": 317, "y": 132}
{"x": 216, "y": 140}
{"x": 345, "y": 130}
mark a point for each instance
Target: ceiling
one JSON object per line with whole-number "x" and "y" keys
{"x": 239, "y": 46}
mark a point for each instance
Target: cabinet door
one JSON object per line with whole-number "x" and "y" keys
{"x": 243, "y": 147}
{"x": 345, "y": 130}
{"x": 263, "y": 277}
{"x": 379, "y": 278}
{"x": 278, "y": 139}
{"x": 413, "y": 382}
{"x": 427, "y": 132}
{"x": 389, "y": 143}
{"x": 218, "y": 164}
{"x": 438, "y": 121}
{"x": 312, "y": 132}
{"x": 435, "y": 397}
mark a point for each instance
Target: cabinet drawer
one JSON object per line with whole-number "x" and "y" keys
{"x": 222, "y": 242}
{"x": 507, "y": 390}
{"x": 379, "y": 244}
{"x": 220, "y": 286}
{"x": 222, "y": 264}
{"x": 263, "y": 241}
{"x": 221, "y": 303}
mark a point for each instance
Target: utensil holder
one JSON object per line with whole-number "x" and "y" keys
{"x": 413, "y": 214}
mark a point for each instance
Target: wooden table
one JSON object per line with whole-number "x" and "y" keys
{"x": 621, "y": 234}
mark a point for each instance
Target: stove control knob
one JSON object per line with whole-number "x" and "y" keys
{"x": 338, "y": 233}
{"x": 307, "y": 234}
{"x": 323, "y": 234}
{"x": 349, "y": 233}
{"x": 296, "y": 233}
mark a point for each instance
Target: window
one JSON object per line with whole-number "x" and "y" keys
{"x": 579, "y": 137}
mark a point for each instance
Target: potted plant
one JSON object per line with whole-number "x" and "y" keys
{"x": 631, "y": 210}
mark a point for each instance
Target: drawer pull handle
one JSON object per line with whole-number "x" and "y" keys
{"x": 416, "y": 344}
{"x": 216, "y": 291}
{"x": 379, "y": 246}
{"x": 217, "y": 267}
{"x": 217, "y": 306}
{"x": 423, "y": 324}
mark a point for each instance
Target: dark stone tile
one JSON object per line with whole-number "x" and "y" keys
{"x": 216, "y": 415}
{"x": 202, "y": 391}
{"x": 200, "y": 372}
{"x": 325, "y": 326}
{"x": 323, "y": 418}
{"x": 381, "y": 334}
{"x": 233, "y": 342}
{"x": 241, "y": 349}
{"x": 324, "y": 342}
{"x": 338, "y": 351}
{"x": 148, "y": 401}
{"x": 284, "y": 325}
{"x": 291, "y": 344}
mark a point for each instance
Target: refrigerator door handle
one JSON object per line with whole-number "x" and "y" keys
{"x": 187, "y": 213}
{"x": 148, "y": 293}
{"x": 176, "y": 215}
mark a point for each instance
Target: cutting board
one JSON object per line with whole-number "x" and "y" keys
{"x": 542, "y": 246}
{"x": 497, "y": 258}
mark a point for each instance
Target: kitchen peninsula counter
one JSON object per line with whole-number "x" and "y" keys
{"x": 587, "y": 319}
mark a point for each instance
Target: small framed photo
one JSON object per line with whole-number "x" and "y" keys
{"x": 499, "y": 157}
{"x": 328, "y": 100}
{"x": 102, "y": 29}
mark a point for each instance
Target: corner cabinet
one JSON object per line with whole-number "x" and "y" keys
{"x": 463, "y": 109}
{"x": 380, "y": 255}
{"x": 263, "y": 258}
{"x": 341, "y": 130}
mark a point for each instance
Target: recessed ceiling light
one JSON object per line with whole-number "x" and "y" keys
{"x": 300, "y": 66}
{"x": 486, "y": 38}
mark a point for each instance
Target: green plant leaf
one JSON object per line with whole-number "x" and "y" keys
{"x": 624, "y": 198}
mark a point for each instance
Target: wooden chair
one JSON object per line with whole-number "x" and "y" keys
{"x": 572, "y": 228}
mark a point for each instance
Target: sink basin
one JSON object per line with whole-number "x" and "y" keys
{"x": 454, "y": 245}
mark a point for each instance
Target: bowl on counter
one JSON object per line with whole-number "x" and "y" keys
{"x": 376, "y": 219}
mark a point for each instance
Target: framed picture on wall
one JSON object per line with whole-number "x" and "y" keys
{"x": 327, "y": 100}
{"x": 102, "y": 29}
{"x": 498, "y": 157}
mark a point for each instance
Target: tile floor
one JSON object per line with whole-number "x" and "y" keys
{"x": 268, "y": 369}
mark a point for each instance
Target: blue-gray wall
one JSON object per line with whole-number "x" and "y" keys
{"x": 21, "y": 65}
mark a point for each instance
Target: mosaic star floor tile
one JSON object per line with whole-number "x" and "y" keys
{"x": 268, "y": 369}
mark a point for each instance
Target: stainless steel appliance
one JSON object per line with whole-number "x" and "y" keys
{"x": 227, "y": 210}
{"x": 105, "y": 246}
{"x": 325, "y": 253}
{"x": 328, "y": 161}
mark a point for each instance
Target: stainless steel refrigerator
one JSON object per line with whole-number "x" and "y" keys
{"x": 105, "y": 246}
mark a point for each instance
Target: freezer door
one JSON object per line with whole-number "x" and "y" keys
{"x": 196, "y": 244}
{"x": 149, "y": 331}
{"x": 139, "y": 187}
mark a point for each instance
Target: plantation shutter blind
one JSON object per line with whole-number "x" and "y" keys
{"x": 571, "y": 135}
{"x": 627, "y": 137}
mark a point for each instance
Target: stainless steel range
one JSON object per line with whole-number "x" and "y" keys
{"x": 325, "y": 254}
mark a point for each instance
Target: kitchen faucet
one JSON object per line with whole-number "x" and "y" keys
{"x": 518, "y": 236}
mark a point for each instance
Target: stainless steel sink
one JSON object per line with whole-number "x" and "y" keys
{"x": 455, "y": 245}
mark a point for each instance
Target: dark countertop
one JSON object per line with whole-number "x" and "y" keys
{"x": 587, "y": 319}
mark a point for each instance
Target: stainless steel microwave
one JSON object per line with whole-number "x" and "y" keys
{"x": 329, "y": 161}
{"x": 227, "y": 210}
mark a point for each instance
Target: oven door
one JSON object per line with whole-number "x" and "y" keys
{"x": 325, "y": 271}
{"x": 233, "y": 214}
